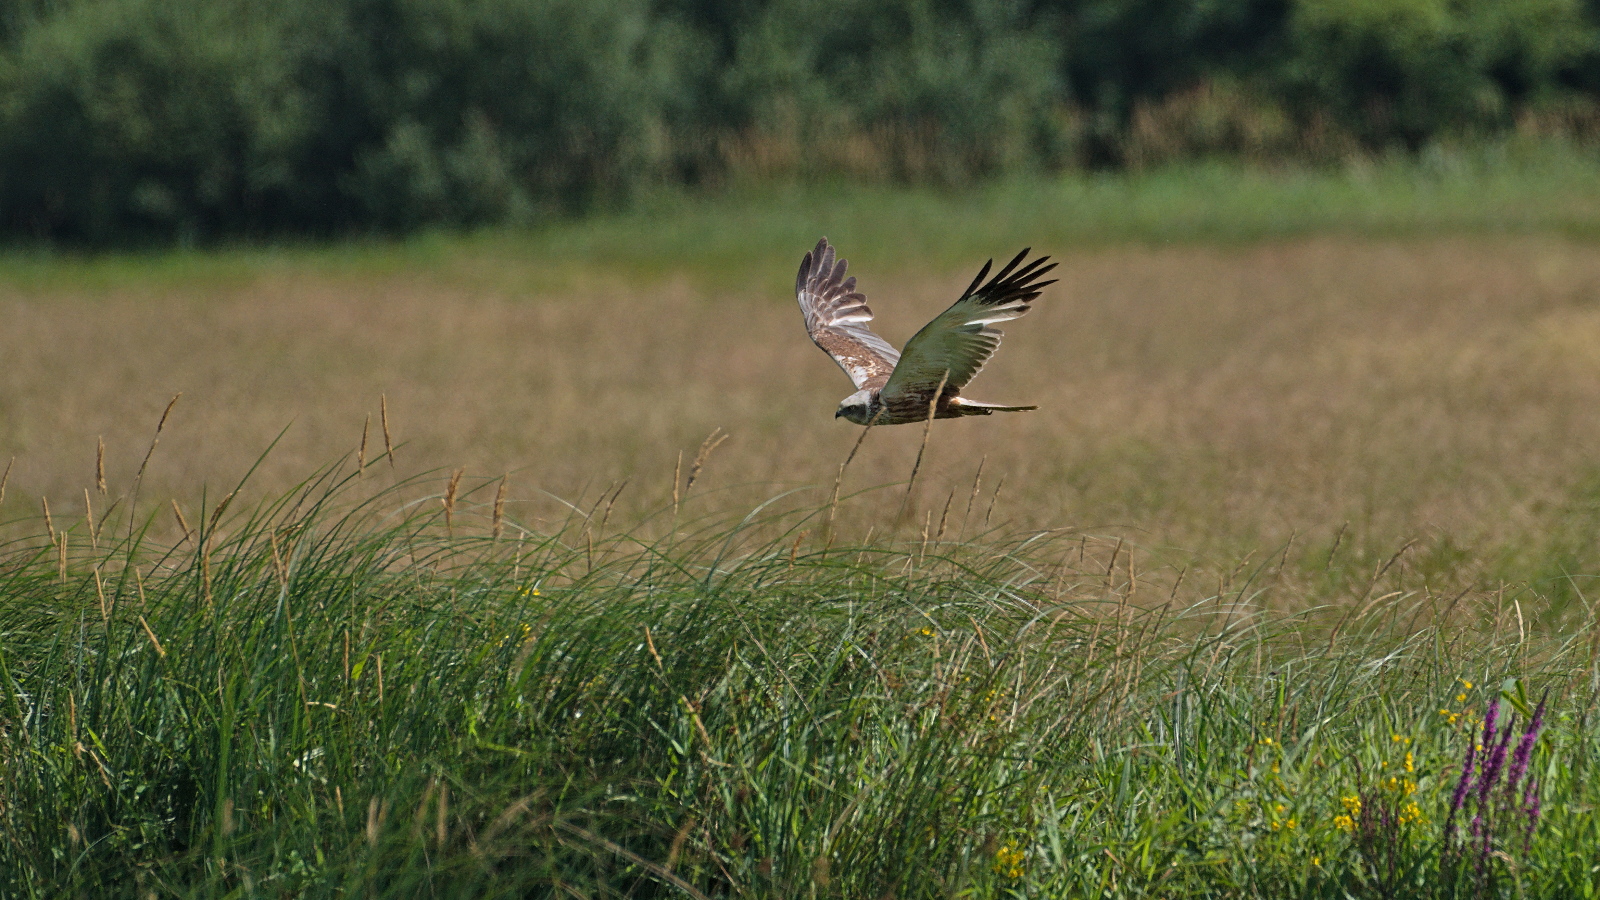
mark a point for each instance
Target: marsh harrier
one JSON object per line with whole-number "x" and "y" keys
{"x": 895, "y": 388}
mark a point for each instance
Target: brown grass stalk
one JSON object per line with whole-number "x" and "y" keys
{"x": 677, "y": 475}
{"x": 138, "y": 479}
{"x": 100, "y": 595}
{"x": 605, "y": 517}
{"x": 216, "y": 514}
{"x": 710, "y": 444}
{"x": 88, "y": 521}
{"x": 154, "y": 641}
{"x": 945, "y": 515}
{"x": 499, "y": 508}
{"x": 977, "y": 480}
{"x": 183, "y": 524}
{"x": 833, "y": 501}
{"x": 383, "y": 418}
{"x": 927, "y": 429}
{"x": 449, "y": 500}
{"x": 993, "y": 499}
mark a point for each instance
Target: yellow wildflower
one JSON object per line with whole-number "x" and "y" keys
{"x": 1411, "y": 762}
{"x": 1344, "y": 823}
{"x": 523, "y": 635}
{"x": 1008, "y": 861}
{"x": 1411, "y": 812}
{"x": 1461, "y": 698}
{"x": 1352, "y": 804}
{"x": 1396, "y": 784}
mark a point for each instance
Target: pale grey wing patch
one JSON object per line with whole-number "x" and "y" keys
{"x": 958, "y": 342}
{"x": 836, "y": 317}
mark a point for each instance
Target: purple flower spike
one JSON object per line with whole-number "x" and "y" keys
{"x": 1494, "y": 811}
{"x": 1519, "y": 759}
{"x": 1491, "y": 718}
{"x": 1485, "y": 850}
{"x": 1530, "y": 806}
{"x": 1459, "y": 798}
{"x": 1492, "y": 765}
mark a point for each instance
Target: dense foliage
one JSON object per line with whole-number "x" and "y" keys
{"x": 184, "y": 119}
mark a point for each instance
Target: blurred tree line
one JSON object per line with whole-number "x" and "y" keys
{"x": 185, "y": 119}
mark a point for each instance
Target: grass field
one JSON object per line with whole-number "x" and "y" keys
{"x": 1312, "y": 485}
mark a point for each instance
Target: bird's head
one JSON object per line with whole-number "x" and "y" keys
{"x": 857, "y": 407}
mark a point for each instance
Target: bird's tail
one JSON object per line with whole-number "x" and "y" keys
{"x": 961, "y": 406}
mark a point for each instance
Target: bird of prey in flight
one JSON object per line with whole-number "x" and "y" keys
{"x": 939, "y": 360}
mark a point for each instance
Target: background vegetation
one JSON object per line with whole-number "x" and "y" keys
{"x": 163, "y": 120}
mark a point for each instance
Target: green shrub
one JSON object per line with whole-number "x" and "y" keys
{"x": 128, "y": 118}
{"x": 140, "y": 120}
{"x": 178, "y": 118}
{"x": 1411, "y": 70}
{"x": 485, "y": 110}
{"x": 918, "y": 89}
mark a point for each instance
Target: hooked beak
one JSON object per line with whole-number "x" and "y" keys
{"x": 838, "y": 412}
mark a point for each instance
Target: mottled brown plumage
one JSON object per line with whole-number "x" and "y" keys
{"x": 895, "y": 389}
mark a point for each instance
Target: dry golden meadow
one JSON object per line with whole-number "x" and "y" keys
{"x": 1226, "y": 400}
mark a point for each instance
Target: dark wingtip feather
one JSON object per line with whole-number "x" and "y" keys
{"x": 1011, "y": 283}
{"x": 1033, "y": 269}
{"x": 1000, "y": 276}
{"x": 805, "y": 272}
{"x": 979, "y": 280}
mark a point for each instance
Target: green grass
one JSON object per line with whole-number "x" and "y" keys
{"x": 335, "y": 696}
{"x": 727, "y": 237}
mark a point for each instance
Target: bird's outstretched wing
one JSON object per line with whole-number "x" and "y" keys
{"x": 956, "y": 344}
{"x": 837, "y": 316}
